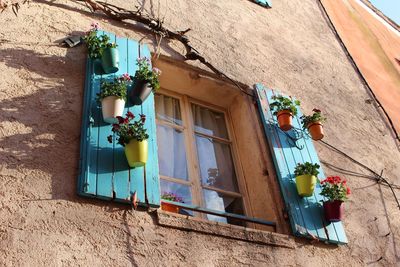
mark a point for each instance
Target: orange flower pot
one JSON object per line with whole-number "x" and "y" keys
{"x": 169, "y": 207}
{"x": 285, "y": 119}
{"x": 316, "y": 131}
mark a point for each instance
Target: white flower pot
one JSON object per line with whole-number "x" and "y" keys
{"x": 112, "y": 107}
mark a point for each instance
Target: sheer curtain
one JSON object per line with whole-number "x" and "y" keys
{"x": 215, "y": 157}
{"x": 171, "y": 145}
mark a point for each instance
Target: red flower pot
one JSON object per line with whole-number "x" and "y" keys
{"x": 334, "y": 210}
{"x": 316, "y": 131}
{"x": 285, "y": 119}
{"x": 169, "y": 207}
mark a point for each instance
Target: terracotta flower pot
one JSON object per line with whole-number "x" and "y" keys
{"x": 285, "y": 119}
{"x": 316, "y": 130}
{"x": 305, "y": 185}
{"x": 110, "y": 60}
{"x": 136, "y": 153}
{"x": 169, "y": 207}
{"x": 334, "y": 210}
{"x": 140, "y": 91}
{"x": 111, "y": 107}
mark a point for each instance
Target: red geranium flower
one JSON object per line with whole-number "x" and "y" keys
{"x": 143, "y": 118}
{"x": 120, "y": 119}
{"x": 348, "y": 191}
{"x": 130, "y": 115}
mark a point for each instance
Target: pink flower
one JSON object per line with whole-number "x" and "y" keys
{"x": 126, "y": 77}
{"x": 157, "y": 71}
{"x": 95, "y": 26}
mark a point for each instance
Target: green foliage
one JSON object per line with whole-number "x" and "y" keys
{"x": 126, "y": 130}
{"x": 117, "y": 87}
{"x": 315, "y": 117}
{"x": 306, "y": 168}
{"x": 145, "y": 73}
{"x": 335, "y": 188}
{"x": 97, "y": 44}
{"x": 284, "y": 103}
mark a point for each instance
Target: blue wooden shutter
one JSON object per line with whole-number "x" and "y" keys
{"x": 104, "y": 171}
{"x": 265, "y": 3}
{"x": 305, "y": 214}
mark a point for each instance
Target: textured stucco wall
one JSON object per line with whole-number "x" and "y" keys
{"x": 290, "y": 47}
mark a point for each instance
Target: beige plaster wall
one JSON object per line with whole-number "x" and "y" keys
{"x": 290, "y": 47}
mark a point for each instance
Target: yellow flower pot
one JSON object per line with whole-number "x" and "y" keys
{"x": 136, "y": 153}
{"x": 305, "y": 185}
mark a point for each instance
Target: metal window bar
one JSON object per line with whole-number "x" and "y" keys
{"x": 221, "y": 213}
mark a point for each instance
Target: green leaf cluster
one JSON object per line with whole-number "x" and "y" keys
{"x": 97, "y": 44}
{"x": 306, "y": 168}
{"x": 117, "y": 87}
{"x": 315, "y": 117}
{"x": 284, "y": 103}
{"x": 145, "y": 73}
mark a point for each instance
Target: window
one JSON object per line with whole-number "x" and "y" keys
{"x": 196, "y": 158}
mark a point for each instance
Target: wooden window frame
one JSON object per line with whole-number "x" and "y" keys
{"x": 192, "y": 161}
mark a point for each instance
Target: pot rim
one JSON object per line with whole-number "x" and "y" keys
{"x": 113, "y": 96}
{"x": 282, "y": 112}
{"x": 314, "y": 123}
{"x": 308, "y": 175}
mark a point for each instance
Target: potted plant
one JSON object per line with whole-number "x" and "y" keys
{"x": 146, "y": 80}
{"x": 170, "y": 197}
{"x": 336, "y": 191}
{"x": 284, "y": 108}
{"x": 99, "y": 47}
{"x": 306, "y": 178}
{"x": 133, "y": 136}
{"x": 113, "y": 97}
{"x": 314, "y": 124}
{"x": 93, "y": 42}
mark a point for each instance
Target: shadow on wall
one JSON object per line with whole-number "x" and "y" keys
{"x": 49, "y": 111}
{"x": 137, "y": 27}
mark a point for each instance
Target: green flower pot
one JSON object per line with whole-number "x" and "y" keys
{"x": 305, "y": 185}
{"x": 110, "y": 60}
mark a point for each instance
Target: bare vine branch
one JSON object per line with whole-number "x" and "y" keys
{"x": 121, "y": 14}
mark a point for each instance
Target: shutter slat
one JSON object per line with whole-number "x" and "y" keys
{"x": 305, "y": 214}
{"x": 104, "y": 168}
{"x": 121, "y": 173}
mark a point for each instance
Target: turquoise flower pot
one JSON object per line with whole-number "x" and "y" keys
{"x": 110, "y": 60}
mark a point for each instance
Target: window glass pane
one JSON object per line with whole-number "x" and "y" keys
{"x": 171, "y": 152}
{"x": 216, "y": 164}
{"x": 168, "y": 109}
{"x": 220, "y": 202}
{"x": 209, "y": 122}
{"x": 182, "y": 191}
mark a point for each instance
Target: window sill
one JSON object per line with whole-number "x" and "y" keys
{"x": 182, "y": 222}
